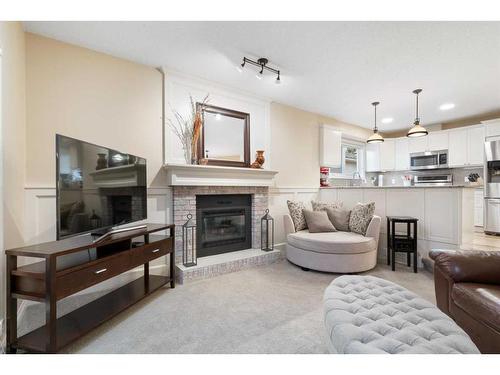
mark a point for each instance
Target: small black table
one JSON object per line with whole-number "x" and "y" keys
{"x": 406, "y": 243}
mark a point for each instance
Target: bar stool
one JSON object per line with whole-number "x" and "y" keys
{"x": 406, "y": 243}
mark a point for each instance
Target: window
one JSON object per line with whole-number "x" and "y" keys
{"x": 352, "y": 161}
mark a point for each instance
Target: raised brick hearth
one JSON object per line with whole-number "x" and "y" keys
{"x": 184, "y": 202}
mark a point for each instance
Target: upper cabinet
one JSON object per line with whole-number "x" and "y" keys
{"x": 475, "y": 145}
{"x": 330, "y": 147}
{"x": 466, "y": 147}
{"x": 418, "y": 144}
{"x": 402, "y": 154}
{"x": 492, "y": 127}
{"x": 373, "y": 157}
{"x": 457, "y": 151}
{"x": 435, "y": 141}
{"x": 387, "y": 155}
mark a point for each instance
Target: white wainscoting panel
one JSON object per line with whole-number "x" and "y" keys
{"x": 40, "y": 211}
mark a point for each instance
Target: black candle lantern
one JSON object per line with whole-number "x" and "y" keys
{"x": 95, "y": 221}
{"x": 267, "y": 232}
{"x": 189, "y": 242}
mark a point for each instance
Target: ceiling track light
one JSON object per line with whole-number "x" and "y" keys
{"x": 262, "y": 64}
{"x": 417, "y": 130}
{"x": 375, "y": 137}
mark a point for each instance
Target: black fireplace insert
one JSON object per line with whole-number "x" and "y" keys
{"x": 224, "y": 223}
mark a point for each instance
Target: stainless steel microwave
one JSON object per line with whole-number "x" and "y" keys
{"x": 429, "y": 160}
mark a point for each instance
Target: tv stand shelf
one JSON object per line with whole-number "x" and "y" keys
{"x": 45, "y": 282}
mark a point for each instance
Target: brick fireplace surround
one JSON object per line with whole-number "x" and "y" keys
{"x": 184, "y": 202}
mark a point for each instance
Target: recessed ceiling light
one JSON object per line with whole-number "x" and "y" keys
{"x": 387, "y": 120}
{"x": 446, "y": 106}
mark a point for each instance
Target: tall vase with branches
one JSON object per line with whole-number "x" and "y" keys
{"x": 188, "y": 129}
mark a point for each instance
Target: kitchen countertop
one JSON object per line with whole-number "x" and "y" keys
{"x": 405, "y": 187}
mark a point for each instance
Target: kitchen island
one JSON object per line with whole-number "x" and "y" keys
{"x": 445, "y": 213}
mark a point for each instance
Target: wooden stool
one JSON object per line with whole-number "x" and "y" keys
{"x": 406, "y": 243}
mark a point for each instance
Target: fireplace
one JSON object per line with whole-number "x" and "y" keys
{"x": 224, "y": 223}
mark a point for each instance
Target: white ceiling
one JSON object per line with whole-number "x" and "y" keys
{"x": 332, "y": 68}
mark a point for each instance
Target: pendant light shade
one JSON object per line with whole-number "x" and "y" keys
{"x": 417, "y": 130}
{"x": 375, "y": 137}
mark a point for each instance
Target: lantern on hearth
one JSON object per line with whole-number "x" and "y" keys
{"x": 189, "y": 242}
{"x": 267, "y": 232}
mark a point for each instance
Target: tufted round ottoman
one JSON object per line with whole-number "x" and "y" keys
{"x": 365, "y": 314}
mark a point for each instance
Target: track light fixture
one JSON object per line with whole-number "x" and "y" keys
{"x": 262, "y": 64}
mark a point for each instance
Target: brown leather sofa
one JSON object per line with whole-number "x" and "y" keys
{"x": 468, "y": 290}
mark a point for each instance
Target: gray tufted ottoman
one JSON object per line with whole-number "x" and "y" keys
{"x": 365, "y": 314}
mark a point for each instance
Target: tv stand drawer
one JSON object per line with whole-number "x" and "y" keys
{"x": 85, "y": 277}
{"x": 149, "y": 252}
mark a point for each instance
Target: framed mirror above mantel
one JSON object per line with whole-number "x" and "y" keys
{"x": 225, "y": 137}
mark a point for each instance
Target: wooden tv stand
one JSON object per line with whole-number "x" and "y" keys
{"x": 47, "y": 282}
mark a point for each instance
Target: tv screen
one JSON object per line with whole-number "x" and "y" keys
{"x": 97, "y": 187}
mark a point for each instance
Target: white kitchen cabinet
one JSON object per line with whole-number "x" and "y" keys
{"x": 350, "y": 197}
{"x": 402, "y": 155}
{"x": 437, "y": 141}
{"x": 457, "y": 150}
{"x": 441, "y": 215}
{"x": 475, "y": 145}
{"x": 372, "y": 157}
{"x": 492, "y": 127}
{"x": 418, "y": 144}
{"x": 478, "y": 207}
{"x": 407, "y": 202}
{"x": 387, "y": 157}
{"x": 330, "y": 148}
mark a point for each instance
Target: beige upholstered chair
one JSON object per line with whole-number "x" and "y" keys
{"x": 341, "y": 252}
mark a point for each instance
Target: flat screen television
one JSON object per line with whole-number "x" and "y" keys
{"x": 97, "y": 188}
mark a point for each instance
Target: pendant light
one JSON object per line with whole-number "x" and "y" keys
{"x": 417, "y": 130}
{"x": 375, "y": 137}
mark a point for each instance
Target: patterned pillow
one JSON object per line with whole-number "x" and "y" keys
{"x": 298, "y": 218}
{"x": 361, "y": 215}
{"x": 322, "y": 206}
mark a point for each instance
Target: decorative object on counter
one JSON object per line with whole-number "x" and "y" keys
{"x": 375, "y": 137}
{"x": 324, "y": 174}
{"x": 380, "y": 180}
{"x": 188, "y": 129}
{"x": 262, "y": 64}
{"x": 407, "y": 178}
{"x": 189, "y": 256}
{"x": 473, "y": 177}
{"x": 267, "y": 232}
{"x": 102, "y": 162}
{"x": 374, "y": 181}
{"x": 259, "y": 160}
{"x": 417, "y": 130}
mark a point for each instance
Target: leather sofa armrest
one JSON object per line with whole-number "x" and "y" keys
{"x": 373, "y": 229}
{"x": 289, "y": 226}
{"x": 468, "y": 265}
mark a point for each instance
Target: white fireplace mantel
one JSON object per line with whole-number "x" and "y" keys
{"x": 209, "y": 175}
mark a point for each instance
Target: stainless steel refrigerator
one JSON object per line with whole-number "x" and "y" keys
{"x": 492, "y": 187}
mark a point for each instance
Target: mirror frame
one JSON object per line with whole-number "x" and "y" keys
{"x": 246, "y": 135}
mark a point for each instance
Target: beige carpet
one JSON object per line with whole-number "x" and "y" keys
{"x": 269, "y": 309}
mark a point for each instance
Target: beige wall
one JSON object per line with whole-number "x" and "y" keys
{"x": 12, "y": 144}
{"x": 90, "y": 96}
{"x": 295, "y": 144}
{"x": 12, "y": 42}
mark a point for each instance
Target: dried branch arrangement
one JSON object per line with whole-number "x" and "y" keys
{"x": 188, "y": 130}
